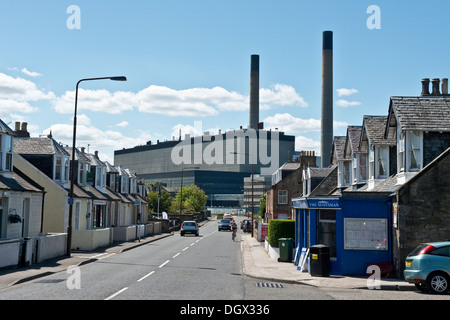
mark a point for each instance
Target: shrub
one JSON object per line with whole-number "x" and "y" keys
{"x": 279, "y": 228}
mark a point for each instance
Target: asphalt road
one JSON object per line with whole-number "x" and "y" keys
{"x": 203, "y": 268}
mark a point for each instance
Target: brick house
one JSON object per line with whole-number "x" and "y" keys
{"x": 288, "y": 186}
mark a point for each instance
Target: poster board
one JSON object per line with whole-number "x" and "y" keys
{"x": 365, "y": 234}
{"x": 302, "y": 259}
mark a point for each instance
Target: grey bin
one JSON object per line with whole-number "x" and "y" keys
{"x": 285, "y": 245}
{"x": 319, "y": 260}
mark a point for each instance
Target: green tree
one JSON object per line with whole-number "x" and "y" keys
{"x": 262, "y": 207}
{"x": 194, "y": 199}
{"x": 164, "y": 202}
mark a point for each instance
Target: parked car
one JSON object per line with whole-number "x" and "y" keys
{"x": 228, "y": 216}
{"x": 428, "y": 267}
{"x": 247, "y": 226}
{"x": 189, "y": 227}
{"x": 224, "y": 224}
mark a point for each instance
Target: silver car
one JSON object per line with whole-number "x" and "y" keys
{"x": 428, "y": 267}
{"x": 189, "y": 227}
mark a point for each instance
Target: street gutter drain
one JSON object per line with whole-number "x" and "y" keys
{"x": 268, "y": 285}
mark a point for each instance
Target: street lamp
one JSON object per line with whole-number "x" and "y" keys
{"x": 181, "y": 189}
{"x": 248, "y": 154}
{"x": 72, "y": 165}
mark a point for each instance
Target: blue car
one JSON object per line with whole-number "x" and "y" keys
{"x": 428, "y": 267}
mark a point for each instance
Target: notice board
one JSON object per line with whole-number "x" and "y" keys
{"x": 365, "y": 234}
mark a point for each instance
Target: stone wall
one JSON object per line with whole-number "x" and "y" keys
{"x": 423, "y": 209}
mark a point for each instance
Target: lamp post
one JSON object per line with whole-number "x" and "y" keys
{"x": 181, "y": 187}
{"x": 248, "y": 154}
{"x": 72, "y": 165}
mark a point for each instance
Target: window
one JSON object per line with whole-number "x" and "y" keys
{"x": 372, "y": 162}
{"x": 9, "y": 149}
{"x": 81, "y": 173}
{"x": 401, "y": 152}
{"x": 362, "y": 167}
{"x": 282, "y": 197}
{"x": 112, "y": 181}
{"x": 346, "y": 176}
{"x": 414, "y": 151}
{"x": 326, "y": 232}
{"x": 58, "y": 169}
{"x": 66, "y": 169}
{"x": 382, "y": 162}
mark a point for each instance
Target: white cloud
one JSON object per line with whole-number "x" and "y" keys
{"x": 95, "y": 100}
{"x": 122, "y": 124}
{"x": 280, "y": 95}
{"x": 346, "y": 92}
{"x": 306, "y": 144}
{"x": 7, "y": 105}
{"x": 190, "y": 102}
{"x": 21, "y": 90}
{"x": 30, "y": 73}
{"x": 345, "y": 104}
{"x": 198, "y": 102}
{"x": 103, "y": 141}
{"x": 287, "y": 123}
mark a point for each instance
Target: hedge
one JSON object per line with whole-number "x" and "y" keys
{"x": 280, "y": 228}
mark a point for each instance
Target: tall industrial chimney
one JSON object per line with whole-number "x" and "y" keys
{"x": 254, "y": 92}
{"x": 326, "y": 138}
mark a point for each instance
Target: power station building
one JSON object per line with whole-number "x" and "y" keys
{"x": 216, "y": 163}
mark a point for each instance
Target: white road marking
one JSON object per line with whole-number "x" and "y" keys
{"x": 146, "y": 276}
{"x": 162, "y": 265}
{"x": 176, "y": 255}
{"x": 116, "y": 294}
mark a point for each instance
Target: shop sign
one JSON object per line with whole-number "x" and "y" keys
{"x": 324, "y": 203}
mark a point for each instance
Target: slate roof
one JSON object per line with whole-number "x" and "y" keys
{"x": 17, "y": 182}
{"x": 38, "y": 146}
{"x": 421, "y": 113}
{"x": 352, "y": 140}
{"x": 338, "y": 148}
{"x": 374, "y": 128}
{"x": 78, "y": 154}
{"x": 4, "y": 128}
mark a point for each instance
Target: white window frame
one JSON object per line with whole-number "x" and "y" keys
{"x": 414, "y": 145}
{"x": 360, "y": 178}
{"x": 382, "y": 154}
{"x": 282, "y": 197}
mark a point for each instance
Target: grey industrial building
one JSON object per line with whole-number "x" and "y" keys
{"x": 217, "y": 163}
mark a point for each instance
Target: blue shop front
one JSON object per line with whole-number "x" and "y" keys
{"x": 356, "y": 229}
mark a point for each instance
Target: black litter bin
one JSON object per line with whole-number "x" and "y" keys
{"x": 319, "y": 260}
{"x": 285, "y": 245}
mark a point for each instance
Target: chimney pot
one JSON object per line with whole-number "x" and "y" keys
{"x": 445, "y": 86}
{"x": 96, "y": 153}
{"x": 17, "y": 126}
{"x": 435, "y": 86}
{"x": 82, "y": 149}
{"x": 425, "y": 86}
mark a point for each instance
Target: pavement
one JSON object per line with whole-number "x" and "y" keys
{"x": 256, "y": 263}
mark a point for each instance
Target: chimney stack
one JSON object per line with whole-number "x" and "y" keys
{"x": 435, "y": 86}
{"x": 326, "y": 139}
{"x": 445, "y": 86}
{"x": 425, "y": 87}
{"x": 254, "y": 92}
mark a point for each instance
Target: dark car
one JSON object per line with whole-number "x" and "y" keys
{"x": 224, "y": 224}
{"x": 189, "y": 227}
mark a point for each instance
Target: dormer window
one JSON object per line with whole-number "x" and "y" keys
{"x": 415, "y": 162}
{"x": 61, "y": 172}
{"x": 6, "y": 148}
{"x": 8, "y": 153}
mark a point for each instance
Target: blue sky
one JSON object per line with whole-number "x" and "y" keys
{"x": 189, "y": 61}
